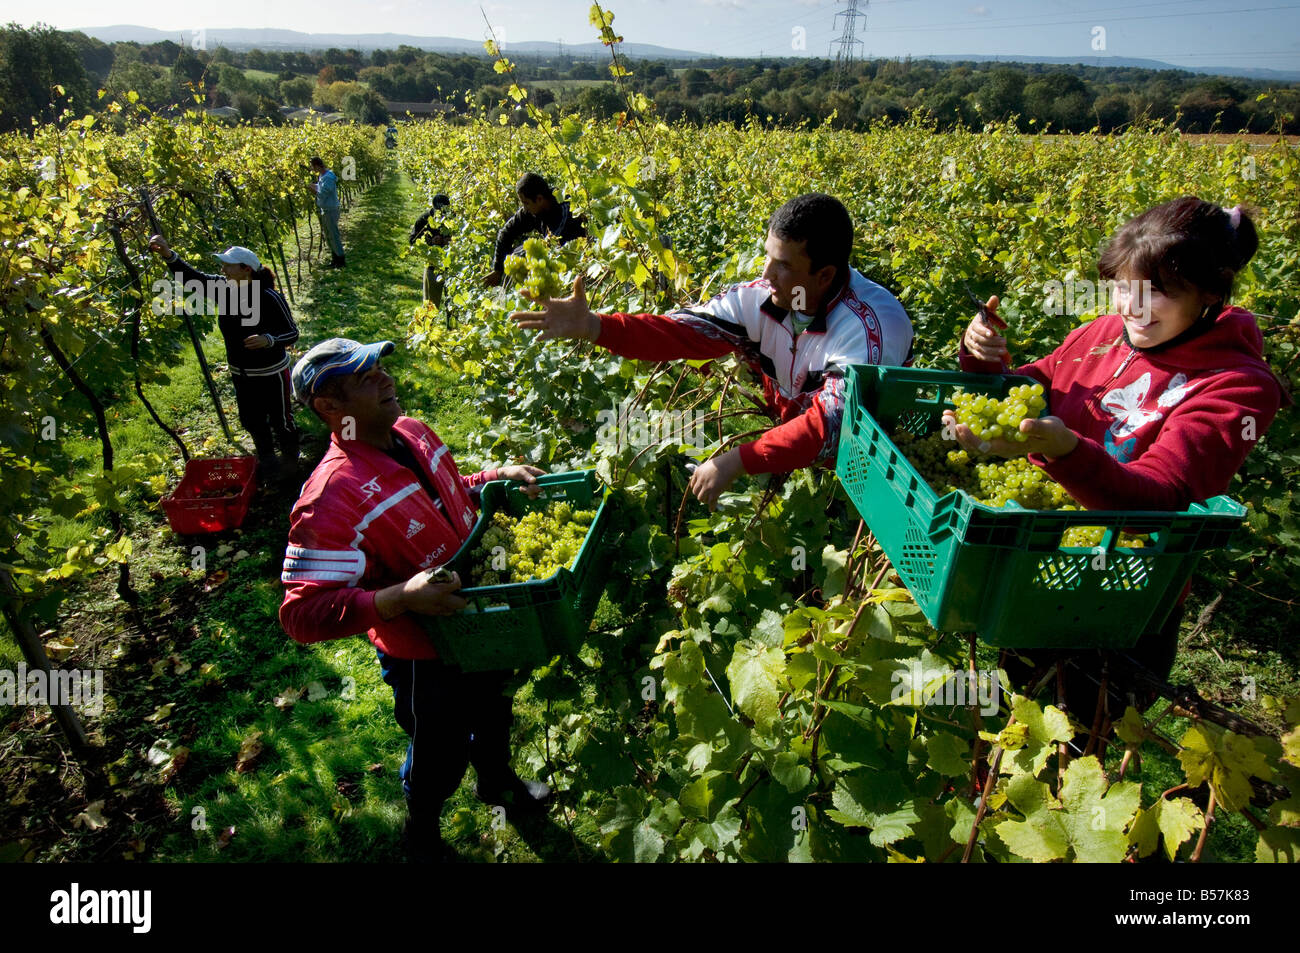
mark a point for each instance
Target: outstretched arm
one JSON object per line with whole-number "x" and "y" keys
{"x": 688, "y": 335}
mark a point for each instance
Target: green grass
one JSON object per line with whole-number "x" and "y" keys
{"x": 554, "y": 84}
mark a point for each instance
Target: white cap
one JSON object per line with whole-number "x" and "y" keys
{"x": 239, "y": 255}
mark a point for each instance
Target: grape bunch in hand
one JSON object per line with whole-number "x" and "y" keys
{"x": 989, "y": 418}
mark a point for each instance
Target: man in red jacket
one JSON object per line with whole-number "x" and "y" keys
{"x": 798, "y": 327}
{"x": 383, "y": 510}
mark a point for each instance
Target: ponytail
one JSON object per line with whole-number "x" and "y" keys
{"x": 1245, "y": 239}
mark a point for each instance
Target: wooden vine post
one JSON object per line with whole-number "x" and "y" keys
{"x": 34, "y": 653}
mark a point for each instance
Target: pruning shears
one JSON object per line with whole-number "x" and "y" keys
{"x": 987, "y": 316}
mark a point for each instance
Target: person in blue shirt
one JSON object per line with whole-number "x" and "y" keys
{"x": 326, "y": 188}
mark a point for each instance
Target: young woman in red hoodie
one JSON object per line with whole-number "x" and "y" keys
{"x": 1155, "y": 407}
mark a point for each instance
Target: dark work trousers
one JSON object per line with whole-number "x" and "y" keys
{"x": 454, "y": 719}
{"x": 1155, "y": 650}
{"x": 266, "y": 411}
{"x": 434, "y": 285}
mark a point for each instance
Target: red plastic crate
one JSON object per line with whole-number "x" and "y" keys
{"x": 190, "y": 512}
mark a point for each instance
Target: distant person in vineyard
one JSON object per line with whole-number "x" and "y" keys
{"x": 798, "y": 327}
{"x": 539, "y": 211}
{"x": 383, "y": 510}
{"x": 435, "y": 236}
{"x": 258, "y": 327}
{"x": 1155, "y": 407}
{"x": 326, "y": 188}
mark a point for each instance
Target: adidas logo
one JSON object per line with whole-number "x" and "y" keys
{"x": 414, "y": 528}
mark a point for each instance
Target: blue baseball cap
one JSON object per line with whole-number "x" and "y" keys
{"x": 332, "y": 358}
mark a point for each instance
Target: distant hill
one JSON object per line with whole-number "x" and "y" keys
{"x": 1115, "y": 62}
{"x": 247, "y": 39}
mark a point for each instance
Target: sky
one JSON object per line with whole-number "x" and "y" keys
{"x": 1198, "y": 33}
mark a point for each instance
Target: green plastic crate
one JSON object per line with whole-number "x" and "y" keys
{"x": 1002, "y": 572}
{"x": 525, "y": 624}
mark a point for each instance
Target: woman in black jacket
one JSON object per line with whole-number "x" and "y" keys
{"x": 257, "y": 326}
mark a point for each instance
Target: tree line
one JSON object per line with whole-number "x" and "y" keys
{"x": 1064, "y": 98}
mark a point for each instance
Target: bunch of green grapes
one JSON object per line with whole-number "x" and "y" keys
{"x": 1090, "y": 536}
{"x": 991, "y": 482}
{"x": 536, "y": 545}
{"x": 989, "y": 418}
{"x": 998, "y": 483}
{"x": 944, "y": 468}
{"x": 1018, "y": 481}
{"x": 535, "y": 273}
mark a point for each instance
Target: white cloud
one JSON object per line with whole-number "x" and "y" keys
{"x": 980, "y": 10}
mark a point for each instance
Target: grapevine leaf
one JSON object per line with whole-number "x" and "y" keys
{"x": 1131, "y": 729}
{"x": 703, "y": 796}
{"x": 893, "y": 827}
{"x": 682, "y": 669}
{"x": 1178, "y": 819}
{"x": 878, "y": 623}
{"x": 932, "y": 828}
{"x": 770, "y": 630}
{"x": 961, "y": 815}
{"x": 1278, "y": 845}
{"x": 878, "y": 800}
{"x": 1039, "y": 836}
{"x": 801, "y": 852}
{"x": 949, "y": 754}
{"x": 1291, "y": 747}
{"x": 702, "y": 716}
{"x": 726, "y": 826}
{"x": 1047, "y": 727}
{"x": 647, "y": 843}
{"x": 1096, "y": 816}
{"x": 755, "y": 675}
{"x": 626, "y": 809}
{"x": 801, "y": 669}
{"x": 1286, "y": 813}
{"x": 847, "y": 745}
{"x": 790, "y": 772}
{"x": 831, "y": 576}
{"x": 771, "y": 813}
{"x": 1225, "y": 760}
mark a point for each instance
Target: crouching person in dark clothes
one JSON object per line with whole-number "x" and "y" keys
{"x": 383, "y": 510}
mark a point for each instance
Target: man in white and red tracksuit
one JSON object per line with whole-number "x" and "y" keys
{"x": 808, "y": 317}
{"x": 384, "y": 508}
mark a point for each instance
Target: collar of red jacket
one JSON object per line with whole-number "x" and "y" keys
{"x": 405, "y": 426}
{"x": 818, "y": 325}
